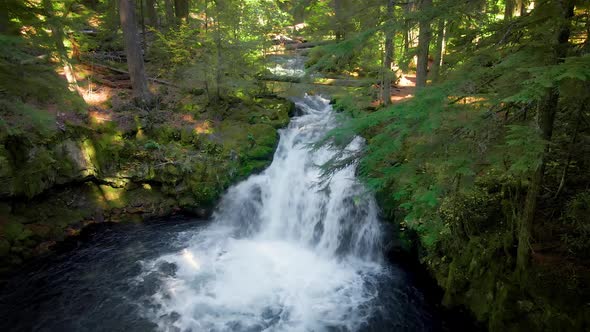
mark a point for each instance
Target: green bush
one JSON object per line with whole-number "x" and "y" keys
{"x": 577, "y": 219}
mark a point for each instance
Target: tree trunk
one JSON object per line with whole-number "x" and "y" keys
{"x": 388, "y": 59}
{"x": 338, "y": 15}
{"x": 219, "y": 60}
{"x": 439, "y": 51}
{"x": 133, "y": 50}
{"x": 546, "y": 112}
{"x": 58, "y": 38}
{"x": 181, "y": 10}
{"x": 113, "y": 15}
{"x": 405, "y": 55}
{"x": 522, "y": 6}
{"x": 423, "y": 45}
{"x": 509, "y": 9}
{"x": 142, "y": 20}
{"x": 169, "y": 7}
{"x": 4, "y": 19}
{"x": 152, "y": 14}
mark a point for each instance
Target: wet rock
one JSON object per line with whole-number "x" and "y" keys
{"x": 168, "y": 268}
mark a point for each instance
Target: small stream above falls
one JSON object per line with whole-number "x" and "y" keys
{"x": 284, "y": 251}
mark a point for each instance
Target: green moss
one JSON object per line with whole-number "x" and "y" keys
{"x": 252, "y": 167}
{"x": 260, "y": 153}
{"x": 14, "y": 231}
{"x": 106, "y": 173}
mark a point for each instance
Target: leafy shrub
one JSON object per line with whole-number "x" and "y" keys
{"x": 577, "y": 217}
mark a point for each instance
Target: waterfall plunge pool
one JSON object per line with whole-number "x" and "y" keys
{"x": 284, "y": 251}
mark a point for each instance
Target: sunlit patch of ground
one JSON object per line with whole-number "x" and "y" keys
{"x": 203, "y": 127}
{"x": 100, "y": 116}
{"x": 96, "y": 97}
{"x": 403, "y": 90}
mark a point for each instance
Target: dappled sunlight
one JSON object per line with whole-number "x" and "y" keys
{"x": 326, "y": 81}
{"x": 111, "y": 194}
{"x": 111, "y": 197}
{"x": 203, "y": 127}
{"x": 89, "y": 152}
{"x": 400, "y": 98}
{"x": 405, "y": 82}
{"x": 96, "y": 98}
{"x": 100, "y": 117}
{"x": 473, "y": 100}
{"x": 188, "y": 118}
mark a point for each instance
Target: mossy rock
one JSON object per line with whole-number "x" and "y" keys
{"x": 14, "y": 231}
{"x": 106, "y": 173}
{"x": 260, "y": 153}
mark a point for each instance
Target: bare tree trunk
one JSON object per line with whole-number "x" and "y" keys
{"x": 152, "y": 14}
{"x": 58, "y": 38}
{"x": 113, "y": 15}
{"x": 338, "y": 15}
{"x": 546, "y": 112}
{"x": 181, "y": 10}
{"x": 509, "y": 9}
{"x": 407, "y": 36}
{"x": 439, "y": 52}
{"x": 169, "y": 7}
{"x": 218, "y": 71}
{"x": 4, "y": 19}
{"x": 142, "y": 21}
{"x": 423, "y": 45}
{"x": 388, "y": 59}
{"x": 133, "y": 50}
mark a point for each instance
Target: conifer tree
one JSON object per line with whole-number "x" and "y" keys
{"x": 388, "y": 60}
{"x": 152, "y": 13}
{"x": 546, "y": 111}
{"x": 423, "y": 43}
{"x": 57, "y": 34}
{"x": 134, "y": 52}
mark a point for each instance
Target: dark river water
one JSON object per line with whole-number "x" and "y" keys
{"x": 88, "y": 286}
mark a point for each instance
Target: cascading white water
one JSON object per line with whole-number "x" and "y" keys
{"x": 284, "y": 252}
{"x": 291, "y": 66}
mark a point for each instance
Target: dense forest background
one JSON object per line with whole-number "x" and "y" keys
{"x": 476, "y": 115}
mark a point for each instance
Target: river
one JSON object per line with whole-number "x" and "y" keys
{"x": 285, "y": 250}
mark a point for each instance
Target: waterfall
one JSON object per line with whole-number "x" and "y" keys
{"x": 285, "y": 251}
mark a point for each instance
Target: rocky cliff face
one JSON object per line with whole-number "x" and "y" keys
{"x": 127, "y": 166}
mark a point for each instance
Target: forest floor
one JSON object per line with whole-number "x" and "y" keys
{"x": 403, "y": 90}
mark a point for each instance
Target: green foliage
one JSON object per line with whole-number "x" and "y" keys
{"x": 25, "y": 118}
{"x": 178, "y": 47}
{"x": 577, "y": 216}
{"x": 523, "y": 149}
{"x": 151, "y": 145}
{"x": 345, "y": 55}
{"x": 545, "y": 77}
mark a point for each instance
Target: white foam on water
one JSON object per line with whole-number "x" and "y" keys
{"x": 283, "y": 252}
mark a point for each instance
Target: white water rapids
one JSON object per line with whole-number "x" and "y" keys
{"x": 283, "y": 253}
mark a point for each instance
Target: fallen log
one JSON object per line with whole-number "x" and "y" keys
{"x": 119, "y": 84}
{"x": 330, "y": 82}
{"x": 299, "y": 46}
{"x": 120, "y": 71}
